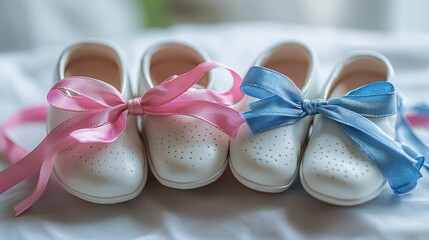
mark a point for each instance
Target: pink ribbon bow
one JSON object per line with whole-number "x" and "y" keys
{"x": 103, "y": 114}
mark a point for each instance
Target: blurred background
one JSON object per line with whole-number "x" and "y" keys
{"x": 26, "y": 24}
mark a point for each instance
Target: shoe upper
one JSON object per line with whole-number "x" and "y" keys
{"x": 101, "y": 173}
{"x": 333, "y": 169}
{"x": 269, "y": 161}
{"x": 184, "y": 152}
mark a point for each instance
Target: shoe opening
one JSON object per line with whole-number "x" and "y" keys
{"x": 292, "y": 60}
{"x": 96, "y": 61}
{"x": 359, "y": 71}
{"x": 175, "y": 59}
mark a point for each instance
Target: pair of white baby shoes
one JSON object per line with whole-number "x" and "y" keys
{"x": 333, "y": 164}
{"x": 182, "y": 151}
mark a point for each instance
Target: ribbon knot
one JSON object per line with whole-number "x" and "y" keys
{"x": 281, "y": 103}
{"x": 135, "y": 106}
{"x": 311, "y": 107}
{"x": 102, "y": 115}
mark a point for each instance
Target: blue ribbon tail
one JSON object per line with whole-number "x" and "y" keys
{"x": 405, "y": 134}
{"x": 418, "y": 163}
{"x": 419, "y": 159}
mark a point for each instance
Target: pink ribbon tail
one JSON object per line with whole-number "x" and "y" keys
{"x": 12, "y": 151}
{"x": 40, "y": 161}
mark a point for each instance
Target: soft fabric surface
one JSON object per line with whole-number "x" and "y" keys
{"x": 225, "y": 209}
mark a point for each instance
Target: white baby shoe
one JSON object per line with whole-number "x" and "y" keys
{"x": 184, "y": 152}
{"x": 100, "y": 173}
{"x": 333, "y": 169}
{"x": 269, "y": 161}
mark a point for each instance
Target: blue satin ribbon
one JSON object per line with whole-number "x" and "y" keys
{"x": 281, "y": 103}
{"x": 404, "y": 132}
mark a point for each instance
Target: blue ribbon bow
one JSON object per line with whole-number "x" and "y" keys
{"x": 281, "y": 103}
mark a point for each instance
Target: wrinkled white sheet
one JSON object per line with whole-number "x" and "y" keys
{"x": 225, "y": 209}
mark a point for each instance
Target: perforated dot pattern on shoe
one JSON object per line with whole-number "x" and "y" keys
{"x": 271, "y": 149}
{"x": 341, "y": 161}
{"x": 270, "y": 157}
{"x": 184, "y": 148}
{"x": 103, "y": 170}
{"x": 333, "y": 166}
{"x": 97, "y": 159}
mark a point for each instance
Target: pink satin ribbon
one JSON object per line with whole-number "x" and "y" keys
{"x": 12, "y": 151}
{"x": 102, "y": 118}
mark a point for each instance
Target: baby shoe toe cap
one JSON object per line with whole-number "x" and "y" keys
{"x": 336, "y": 172}
{"x": 102, "y": 173}
{"x": 265, "y": 161}
{"x": 185, "y": 152}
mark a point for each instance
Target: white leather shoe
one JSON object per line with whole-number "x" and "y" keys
{"x": 332, "y": 169}
{"x": 100, "y": 173}
{"x": 269, "y": 161}
{"x": 184, "y": 152}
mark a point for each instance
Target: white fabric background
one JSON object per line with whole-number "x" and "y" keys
{"x": 225, "y": 209}
{"x": 27, "y": 24}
